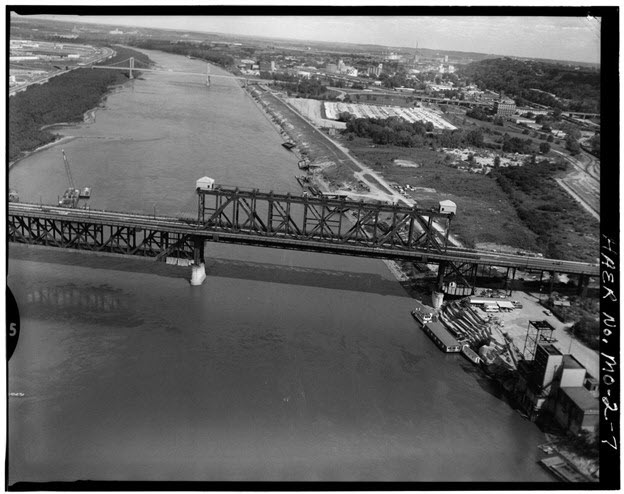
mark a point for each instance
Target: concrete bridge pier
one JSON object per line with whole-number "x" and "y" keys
{"x": 437, "y": 297}
{"x": 582, "y": 285}
{"x": 551, "y": 285}
{"x": 198, "y": 269}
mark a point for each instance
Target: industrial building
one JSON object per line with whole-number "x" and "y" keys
{"x": 559, "y": 384}
{"x": 505, "y": 107}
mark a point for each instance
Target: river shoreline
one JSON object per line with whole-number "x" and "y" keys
{"x": 56, "y": 142}
{"x": 285, "y": 129}
{"x": 278, "y": 359}
{"x": 88, "y": 117}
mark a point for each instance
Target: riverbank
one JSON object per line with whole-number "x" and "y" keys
{"x": 279, "y": 358}
{"x": 60, "y": 140}
{"x": 58, "y": 101}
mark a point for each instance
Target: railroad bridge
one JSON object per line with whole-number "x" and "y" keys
{"x": 251, "y": 217}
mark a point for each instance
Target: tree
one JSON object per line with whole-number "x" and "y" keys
{"x": 345, "y": 116}
{"x": 595, "y": 143}
{"x": 572, "y": 145}
{"x": 544, "y": 147}
{"x": 496, "y": 161}
{"x": 550, "y": 138}
{"x": 475, "y": 138}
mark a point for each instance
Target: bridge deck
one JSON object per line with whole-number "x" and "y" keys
{"x": 93, "y": 230}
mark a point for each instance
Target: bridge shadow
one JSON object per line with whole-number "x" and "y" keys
{"x": 218, "y": 267}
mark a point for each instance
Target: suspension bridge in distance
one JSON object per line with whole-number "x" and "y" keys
{"x": 132, "y": 67}
{"x": 265, "y": 219}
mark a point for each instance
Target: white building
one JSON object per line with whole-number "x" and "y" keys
{"x": 205, "y": 183}
{"x": 448, "y": 207}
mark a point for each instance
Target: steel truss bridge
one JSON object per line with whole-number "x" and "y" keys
{"x": 250, "y": 217}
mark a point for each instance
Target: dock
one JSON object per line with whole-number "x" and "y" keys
{"x": 563, "y": 470}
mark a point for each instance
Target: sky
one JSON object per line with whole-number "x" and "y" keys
{"x": 559, "y": 38}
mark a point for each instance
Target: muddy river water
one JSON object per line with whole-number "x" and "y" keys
{"x": 283, "y": 366}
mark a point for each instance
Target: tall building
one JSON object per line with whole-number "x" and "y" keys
{"x": 267, "y": 66}
{"x": 505, "y": 107}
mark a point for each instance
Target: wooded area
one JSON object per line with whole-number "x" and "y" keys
{"x": 576, "y": 89}
{"x": 63, "y": 99}
{"x": 565, "y": 230}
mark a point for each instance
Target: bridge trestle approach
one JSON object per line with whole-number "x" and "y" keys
{"x": 97, "y": 236}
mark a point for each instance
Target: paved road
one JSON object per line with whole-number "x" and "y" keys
{"x": 584, "y": 183}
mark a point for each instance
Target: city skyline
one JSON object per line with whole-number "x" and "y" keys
{"x": 575, "y": 39}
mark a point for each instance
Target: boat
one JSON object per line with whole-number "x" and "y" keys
{"x": 562, "y": 469}
{"x": 422, "y": 313}
{"x": 85, "y": 193}
{"x": 471, "y": 355}
{"x": 289, "y": 145}
{"x": 441, "y": 337}
{"x": 70, "y": 198}
{"x": 13, "y": 196}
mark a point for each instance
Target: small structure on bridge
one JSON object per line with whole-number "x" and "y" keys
{"x": 205, "y": 183}
{"x": 447, "y": 207}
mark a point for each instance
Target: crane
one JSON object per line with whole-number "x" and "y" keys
{"x": 70, "y": 179}
{"x": 72, "y": 195}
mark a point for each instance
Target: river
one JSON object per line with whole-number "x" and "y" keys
{"x": 281, "y": 366}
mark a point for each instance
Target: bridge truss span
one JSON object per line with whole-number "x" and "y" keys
{"x": 340, "y": 221}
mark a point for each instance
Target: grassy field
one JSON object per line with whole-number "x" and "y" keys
{"x": 491, "y": 130}
{"x": 565, "y": 230}
{"x": 485, "y": 213}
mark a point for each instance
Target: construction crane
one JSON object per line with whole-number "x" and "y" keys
{"x": 72, "y": 195}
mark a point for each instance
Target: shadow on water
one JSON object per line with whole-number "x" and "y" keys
{"x": 217, "y": 267}
{"x": 487, "y": 384}
{"x": 93, "y": 304}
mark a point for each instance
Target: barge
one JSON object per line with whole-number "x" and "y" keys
{"x": 441, "y": 337}
{"x": 422, "y": 313}
{"x": 471, "y": 355}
